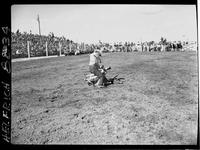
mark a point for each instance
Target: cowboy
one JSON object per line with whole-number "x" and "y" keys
{"x": 94, "y": 68}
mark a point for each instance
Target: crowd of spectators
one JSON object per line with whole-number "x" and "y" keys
{"x": 39, "y": 44}
{"x": 163, "y": 45}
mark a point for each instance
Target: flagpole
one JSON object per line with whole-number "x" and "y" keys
{"x": 38, "y": 19}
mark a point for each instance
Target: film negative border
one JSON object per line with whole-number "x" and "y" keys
{"x": 5, "y": 84}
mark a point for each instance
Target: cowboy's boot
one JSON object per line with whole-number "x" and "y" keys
{"x": 99, "y": 83}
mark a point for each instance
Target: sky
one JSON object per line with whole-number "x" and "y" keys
{"x": 108, "y": 23}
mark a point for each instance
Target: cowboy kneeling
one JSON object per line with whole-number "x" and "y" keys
{"x": 95, "y": 67}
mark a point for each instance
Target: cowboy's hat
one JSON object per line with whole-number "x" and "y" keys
{"x": 97, "y": 53}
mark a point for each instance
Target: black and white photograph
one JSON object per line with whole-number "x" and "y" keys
{"x": 104, "y": 74}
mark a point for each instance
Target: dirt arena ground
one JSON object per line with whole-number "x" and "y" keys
{"x": 157, "y": 103}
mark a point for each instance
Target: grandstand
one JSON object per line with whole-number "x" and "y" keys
{"x": 26, "y": 45}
